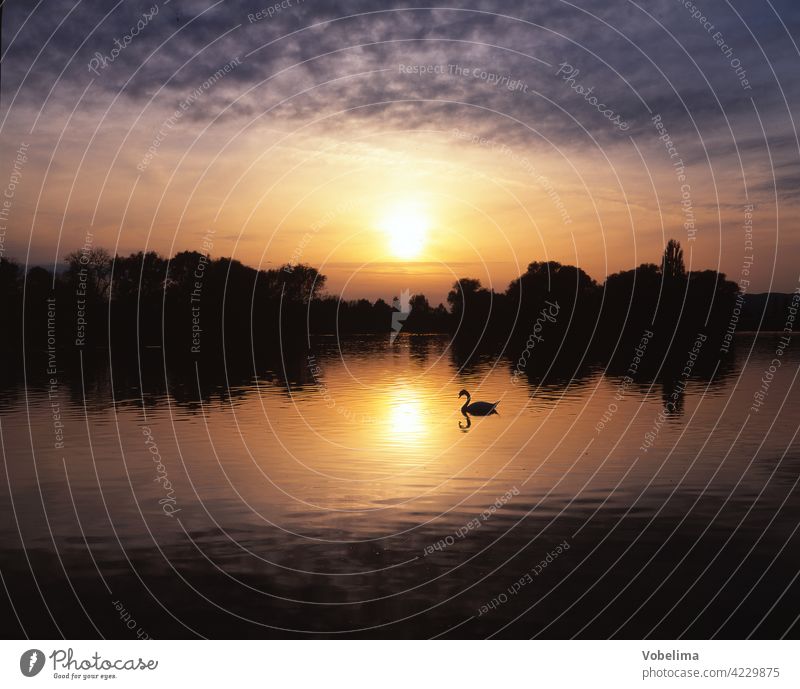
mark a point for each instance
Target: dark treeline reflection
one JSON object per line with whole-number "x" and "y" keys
{"x": 552, "y": 318}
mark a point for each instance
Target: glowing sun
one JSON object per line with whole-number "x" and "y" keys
{"x": 406, "y": 227}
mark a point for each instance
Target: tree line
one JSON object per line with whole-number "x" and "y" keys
{"x": 193, "y": 304}
{"x": 561, "y": 314}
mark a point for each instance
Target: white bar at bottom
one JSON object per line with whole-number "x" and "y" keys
{"x": 348, "y": 664}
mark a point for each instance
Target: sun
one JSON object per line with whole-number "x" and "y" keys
{"x": 406, "y": 227}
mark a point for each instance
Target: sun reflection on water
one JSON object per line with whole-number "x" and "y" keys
{"x": 406, "y": 416}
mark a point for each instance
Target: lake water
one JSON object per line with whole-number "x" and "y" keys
{"x": 348, "y": 496}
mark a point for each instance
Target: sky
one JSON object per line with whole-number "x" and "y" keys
{"x": 399, "y": 148}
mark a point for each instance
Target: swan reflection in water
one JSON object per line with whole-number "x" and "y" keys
{"x": 475, "y": 409}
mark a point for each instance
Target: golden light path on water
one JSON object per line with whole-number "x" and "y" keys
{"x": 373, "y": 445}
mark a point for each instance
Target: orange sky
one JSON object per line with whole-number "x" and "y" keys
{"x": 278, "y": 162}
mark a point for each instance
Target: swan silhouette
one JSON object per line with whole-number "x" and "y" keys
{"x": 477, "y": 408}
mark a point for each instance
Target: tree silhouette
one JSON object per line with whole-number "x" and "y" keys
{"x": 464, "y": 292}
{"x": 145, "y": 300}
{"x": 140, "y": 275}
{"x": 672, "y": 262}
{"x": 90, "y": 272}
{"x": 10, "y": 273}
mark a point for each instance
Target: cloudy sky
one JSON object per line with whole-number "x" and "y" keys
{"x": 401, "y": 148}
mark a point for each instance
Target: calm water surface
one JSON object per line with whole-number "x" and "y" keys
{"x": 350, "y": 496}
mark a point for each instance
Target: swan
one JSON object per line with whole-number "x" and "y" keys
{"x": 477, "y": 408}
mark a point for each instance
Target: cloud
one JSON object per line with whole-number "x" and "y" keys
{"x": 338, "y": 64}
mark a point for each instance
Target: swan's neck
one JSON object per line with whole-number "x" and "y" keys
{"x": 466, "y": 403}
